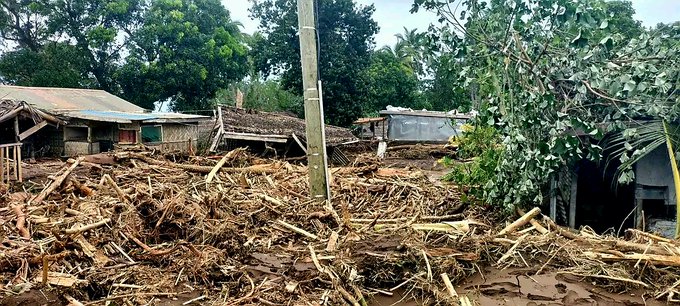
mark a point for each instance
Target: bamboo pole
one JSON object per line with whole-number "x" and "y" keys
{"x": 521, "y": 221}
{"x": 7, "y": 163}
{"x": 19, "y": 169}
{"x": 2, "y": 165}
{"x": 14, "y": 163}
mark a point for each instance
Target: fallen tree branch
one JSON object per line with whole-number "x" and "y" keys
{"x": 21, "y": 221}
{"x": 520, "y": 222}
{"x": 55, "y": 183}
{"x": 86, "y": 227}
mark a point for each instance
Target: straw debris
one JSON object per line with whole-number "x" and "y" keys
{"x": 236, "y": 229}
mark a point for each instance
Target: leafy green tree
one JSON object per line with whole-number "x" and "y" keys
{"x": 185, "y": 51}
{"x": 345, "y": 32}
{"x": 619, "y": 14}
{"x": 53, "y": 65}
{"x": 24, "y": 22}
{"x": 547, "y": 68}
{"x": 266, "y": 96}
{"x": 410, "y": 48}
{"x": 391, "y": 82}
{"x": 447, "y": 89}
{"x": 95, "y": 26}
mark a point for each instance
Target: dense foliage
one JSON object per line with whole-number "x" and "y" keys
{"x": 181, "y": 51}
{"x": 391, "y": 81}
{"x": 477, "y": 158}
{"x": 262, "y": 95}
{"x": 547, "y": 71}
{"x": 184, "y": 51}
{"x": 345, "y": 34}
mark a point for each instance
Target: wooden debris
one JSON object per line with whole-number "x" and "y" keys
{"x": 84, "y": 228}
{"x": 121, "y": 195}
{"x": 21, "y": 221}
{"x": 297, "y": 230}
{"x": 162, "y": 231}
{"x": 56, "y": 182}
{"x": 520, "y": 222}
{"x": 61, "y": 279}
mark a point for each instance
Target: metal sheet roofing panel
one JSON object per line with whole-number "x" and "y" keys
{"x": 63, "y": 99}
{"x": 125, "y": 117}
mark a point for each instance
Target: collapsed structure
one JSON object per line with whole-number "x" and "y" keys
{"x": 70, "y": 122}
{"x": 278, "y": 132}
{"x": 404, "y": 125}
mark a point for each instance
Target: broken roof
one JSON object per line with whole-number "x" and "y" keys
{"x": 264, "y": 123}
{"x": 12, "y": 108}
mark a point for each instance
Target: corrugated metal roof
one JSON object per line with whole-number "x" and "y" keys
{"x": 62, "y": 99}
{"x": 126, "y": 117}
{"x": 426, "y": 114}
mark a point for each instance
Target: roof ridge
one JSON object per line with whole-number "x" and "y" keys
{"x": 53, "y": 88}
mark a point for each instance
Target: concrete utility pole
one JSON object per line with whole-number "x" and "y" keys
{"x": 316, "y": 142}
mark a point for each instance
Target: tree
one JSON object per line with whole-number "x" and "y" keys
{"x": 266, "y": 96}
{"x": 447, "y": 89}
{"x": 345, "y": 32}
{"x": 24, "y": 23}
{"x": 96, "y": 27}
{"x": 185, "y": 51}
{"x": 390, "y": 82}
{"x": 547, "y": 68}
{"x": 89, "y": 31}
{"x": 410, "y": 48}
{"x": 53, "y": 65}
{"x": 619, "y": 14}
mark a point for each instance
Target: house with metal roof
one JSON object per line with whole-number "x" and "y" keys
{"x": 86, "y": 121}
{"x": 417, "y": 126}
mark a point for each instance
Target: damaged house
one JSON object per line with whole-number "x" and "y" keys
{"x": 69, "y": 122}
{"x": 275, "y": 133}
{"x": 587, "y": 193}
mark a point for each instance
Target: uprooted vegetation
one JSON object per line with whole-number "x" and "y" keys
{"x": 241, "y": 230}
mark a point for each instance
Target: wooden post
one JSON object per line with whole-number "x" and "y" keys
{"x": 7, "y": 164}
{"x": 316, "y": 144}
{"x": 572, "y": 200}
{"x": 16, "y": 128}
{"x": 20, "y": 173}
{"x": 2, "y": 164}
{"x": 553, "y": 197}
{"x": 14, "y": 162}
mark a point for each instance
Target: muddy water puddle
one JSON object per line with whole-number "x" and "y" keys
{"x": 513, "y": 287}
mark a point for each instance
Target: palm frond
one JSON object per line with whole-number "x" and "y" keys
{"x": 639, "y": 141}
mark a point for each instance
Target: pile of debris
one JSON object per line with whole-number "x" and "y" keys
{"x": 242, "y": 230}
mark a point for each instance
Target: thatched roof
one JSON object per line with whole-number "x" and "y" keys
{"x": 265, "y": 123}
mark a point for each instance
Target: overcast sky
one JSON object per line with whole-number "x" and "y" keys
{"x": 393, "y": 15}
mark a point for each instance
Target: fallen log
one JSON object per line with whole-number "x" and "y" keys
{"x": 652, "y": 258}
{"x": 260, "y": 169}
{"x": 21, "y": 221}
{"x": 55, "y": 183}
{"x": 520, "y": 222}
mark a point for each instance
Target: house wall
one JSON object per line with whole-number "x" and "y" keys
{"x": 421, "y": 128}
{"x": 176, "y": 137}
{"x": 48, "y": 141}
{"x": 655, "y": 170}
